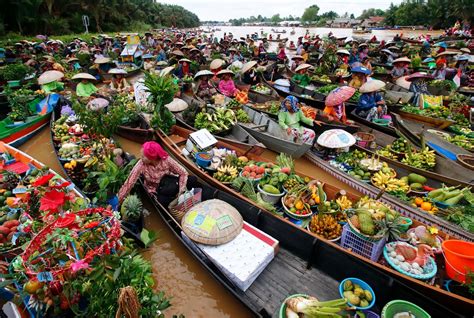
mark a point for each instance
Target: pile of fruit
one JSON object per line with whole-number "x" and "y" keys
{"x": 400, "y": 146}
{"x": 325, "y": 225}
{"x": 461, "y": 141}
{"x": 321, "y": 78}
{"x": 293, "y": 182}
{"x": 415, "y": 181}
{"x": 384, "y": 179}
{"x": 402, "y": 150}
{"x": 253, "y": 171}
{"x": 296, "y": 205}
{"x": 226, "y": 173}
{"x": 262, "y": 89}
{"x": 451, "y": 196}
{"x": 326, "y": 89}
{"x": 242, "y": 116}
{"x": 221, "y": 120}
{"x": 356, "y": 295}
{"x": 309, "y": 112}
{"x": 424, "y": 204}
{"x": 233, "y": 103}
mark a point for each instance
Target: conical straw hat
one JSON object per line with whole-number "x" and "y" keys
{"x": 215, "y": 64}
{"x": 49, "y": 76}
{"x": 212, "y": 222}
{"x": 372, "y": 86}
{"x": 86, "y": 76}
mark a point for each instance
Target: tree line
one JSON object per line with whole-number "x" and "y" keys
{"x": 65, "y": 16}
{"x": 436, "y": 13}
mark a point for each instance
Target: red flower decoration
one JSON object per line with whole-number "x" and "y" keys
{"x": 52, "y": 201}
{"x": 92, "y": 224}
{"x": 43, "y": 180}
{"x": 62, "y": 185}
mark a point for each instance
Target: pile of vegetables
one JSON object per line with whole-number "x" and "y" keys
{"x": 380, "y": 70}
{"x": 220, "y": 120}
{"x": 438, "y": 112}
{"x": 312, "y": 307}
{"x": 446, "y": 85}
{"x": 452, "y": 196}
{"x": 461, "y": 141}
{"x": 326, "y": 89}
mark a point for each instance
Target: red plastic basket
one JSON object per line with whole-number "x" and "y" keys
{"x": 179, "y": 210}
{"x": 358, "y": 245}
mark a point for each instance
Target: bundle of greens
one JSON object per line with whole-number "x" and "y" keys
{"x": 245, "y": 186}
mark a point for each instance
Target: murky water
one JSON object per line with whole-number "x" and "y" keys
{"x": 193, "y": 290}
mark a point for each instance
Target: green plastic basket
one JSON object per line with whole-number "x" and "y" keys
{"x": 396, "y": 306}
{"x": 283, "y": 305}
{"x": 382, "y": 122}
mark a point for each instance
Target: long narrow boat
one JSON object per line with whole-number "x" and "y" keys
{"x": 302, "y": 264}
{"x": 16, "y": 134}
{"x": 383, "y": 276}
{"x": 438, "y": 123}
{"x": 269, "y": 132}
{"x": 398, "y": 204}
{"x": 141, "y": 133}
{"x": 25, "y": 159}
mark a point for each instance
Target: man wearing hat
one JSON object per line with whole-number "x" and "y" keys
{"x": 85, "y": 88}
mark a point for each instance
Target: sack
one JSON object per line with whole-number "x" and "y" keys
{"x": 429, "y": 101}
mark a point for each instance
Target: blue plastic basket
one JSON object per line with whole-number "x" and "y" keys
{"x": 429, "y": 270}
{"x": 358, "y": 245}
{"x": 363, "y": 285}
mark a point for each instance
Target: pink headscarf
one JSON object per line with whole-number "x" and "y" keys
{"x": 152, "y": 151}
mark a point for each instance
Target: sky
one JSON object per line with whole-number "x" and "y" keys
{"x": 223, "y": 10}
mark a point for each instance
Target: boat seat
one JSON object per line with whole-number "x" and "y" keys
{"x": 177, "y": 139}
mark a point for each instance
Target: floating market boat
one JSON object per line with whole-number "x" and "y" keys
{"x": 16, "y": 133}
{"x": 269, "y": 132}
{"x": 21, "y": 163}
{"x": 139, "y": 132}
{"x": 451, "y": 304}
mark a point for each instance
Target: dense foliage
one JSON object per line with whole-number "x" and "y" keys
{"x": 62, "y": 16}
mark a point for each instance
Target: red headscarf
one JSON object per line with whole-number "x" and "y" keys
{"x": 152, "y": 151}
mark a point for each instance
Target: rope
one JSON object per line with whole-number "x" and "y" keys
{"x": 128, "y": 304}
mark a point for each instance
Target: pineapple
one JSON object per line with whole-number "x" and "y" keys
{"x": 131, "y": 208}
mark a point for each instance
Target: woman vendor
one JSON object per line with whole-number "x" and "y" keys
{"x": 85, "y": 88}
{"x": 301, "y": 77}
{"x": 160, "y": 53}
{"x": 290, "y": 117}
{"x": 371, "y": 104}
{"x": 118, "y": 83}
{"x": 226, "y": 84}
{"x": 183, "y": 68}
{"x": 400, "y": 67}
{"x": 335, "y": 106}
{"x": 419, "y": 85}
{"x": 440, "y": 72}
{"x": 103, "y": 65}
{"x": 342, "y": 59}
{"x": 359, "y": 76}
{"x": 162, "y": 175}
{"x": 203, "y": 88}
{"x": 250, "y": 76}
{"x": 148, "y": 63}
{"x": 51, "y": 82}
{"x": 297, "y": 61}
{"x": 281, "y": 52}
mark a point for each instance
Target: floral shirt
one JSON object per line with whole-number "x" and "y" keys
{"x": 227, "y": 88}
{"x": 152, "y": 174}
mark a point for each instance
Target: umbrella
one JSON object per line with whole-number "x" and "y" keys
{"x": 49, "y": 76}
{"x": 339, "y": 95}
{"x": 402, "y": 60}
{"x": 360, "y": 69}
{"x": 343, "y": 51}
{"x": 418, "y": 75}
{"x": 212, "y": 222}
{"x": 117, "y": 71}
{"x": 402, "y": 81}
{"x": 372, "y": 86}
{"x": 86, "y": 76}
{"x": 428, "y": 60}
{"x": 215, "y": 64}
{"x": 98, "y": 103}
{"x": 302, "y": 67}
{"x": 247, "y": 66}
{"x": 336, "y": 138}
{"x": 177, "y": 105}
{"x": 102, "y": 60}
{"x": 203, "y": 73}
{"x": 225, "y": 72}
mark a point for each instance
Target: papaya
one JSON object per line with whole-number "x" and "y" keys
{"x": 416, "y": 178}
{"x": 271, "y": 189}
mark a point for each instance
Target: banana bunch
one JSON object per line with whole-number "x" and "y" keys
{"x": 424, "y": 159}
{"x": 91, "y": 162}
{"x": 389, "y": 183}
{"x": 385, "y": 152}
{"x": 226, "y": 173}
{"x": 344, "y": 203}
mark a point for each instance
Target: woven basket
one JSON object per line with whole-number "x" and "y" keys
{"x": 374, "y": 238}
{"x": 179, "y": 210}
{"x": 364, "y": 139}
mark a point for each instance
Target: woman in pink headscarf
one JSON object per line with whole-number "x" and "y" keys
{"x": 159, "y": 173}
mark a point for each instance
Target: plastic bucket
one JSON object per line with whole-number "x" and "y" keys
{"x": 396, "y": 306}
{"x": 459, "y": 256}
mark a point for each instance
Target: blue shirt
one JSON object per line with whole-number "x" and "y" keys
{"x": 368, "y": 101}
{"x": 161, "y": 56}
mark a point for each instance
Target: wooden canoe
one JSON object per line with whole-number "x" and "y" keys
{"x": 399, "y": 205}
{"x": 382, "y": 274}
{"x": 302, "y": 264}
{"x": 20, "y": 156}
{"x": 438, "y": 123}
{"x": 17, "y": 134}
{"x": 269, "y": 132}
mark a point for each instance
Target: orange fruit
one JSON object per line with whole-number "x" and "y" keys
{"x": 10, "y": 201}
{"x": 32, "y": 286}
{"x": 418, "y": 201}
{"x": 426, "y": 206}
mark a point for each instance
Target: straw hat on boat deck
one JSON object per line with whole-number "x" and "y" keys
{"x": 50, "y": 76}
{"x": 85, "y": 76}
{"x": 372, "y": 86}
{"x": 212, "y": 222}
{"x": 402, "y": 81}
{"x": 177, "y": 105}
{"x": 247, "y": 66}
{"x": 336, "y": 138}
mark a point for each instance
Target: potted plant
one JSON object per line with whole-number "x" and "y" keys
{"x": 132, "y": 213}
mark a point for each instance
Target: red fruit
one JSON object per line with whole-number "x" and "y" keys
{"x": 253, "y": 174}
{"x": 246, "y": 168}
{"x": 286, "y": 170}
{"x": 55, "y": 287}
{"x": 258, "y": 176}
{"x": 246, "y": 173}
{"x": 261, "y": 170}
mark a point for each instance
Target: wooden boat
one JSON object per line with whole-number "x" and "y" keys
{"x": 294, "y": 264}
{"x": 388, "y": 130}
{"x": 383, "y": 277}
{"x": 400, "y": 205}
{"x": 16, "y": 134}
{"x": 466, "y": 161}
{"x": 256, "y": 96}
{"x": 141, "y": 132}
{"x": 278, "y": 31}
{"x": 24, "y": 158}
{"x": 443, "y": 147}
{"x": 269, "y": 132}
{"x": 438, "y": 123}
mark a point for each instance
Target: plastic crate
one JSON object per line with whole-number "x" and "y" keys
{"x": 358, "y": 245}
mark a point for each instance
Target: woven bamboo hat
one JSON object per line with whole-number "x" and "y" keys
{"x": 86, "y": 76}
{"x": 212, "y": 222}
{"x": 50, "y": 76}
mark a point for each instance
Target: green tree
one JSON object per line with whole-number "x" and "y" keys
{"x": 330, "y": 15}
{"x": 310, "y": 14}
{"x": 276, "y": 18}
